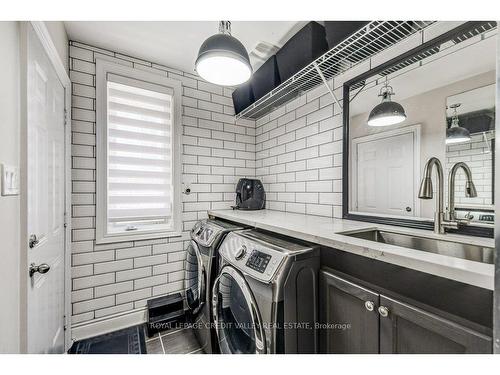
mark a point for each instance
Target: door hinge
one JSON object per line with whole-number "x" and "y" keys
{"x": 65, "y": 117}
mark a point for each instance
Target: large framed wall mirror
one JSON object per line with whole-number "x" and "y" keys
{"x": 437, "y": 100}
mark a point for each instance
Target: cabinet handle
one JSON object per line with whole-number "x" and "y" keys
{"x": 383, "y": 311}
{"x": 370, "y": 306}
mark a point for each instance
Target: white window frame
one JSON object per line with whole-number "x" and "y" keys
{"x": 103, "y": 68}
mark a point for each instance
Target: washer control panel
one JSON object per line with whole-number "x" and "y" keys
{"x": 258, "y": 261}
{"x": 260, "y": 255}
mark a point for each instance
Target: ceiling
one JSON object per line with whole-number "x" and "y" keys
{"x": 176, "y": 43}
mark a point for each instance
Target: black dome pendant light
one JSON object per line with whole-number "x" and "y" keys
{"x": 387, "y": 112}
{"x": 222, "y": 59}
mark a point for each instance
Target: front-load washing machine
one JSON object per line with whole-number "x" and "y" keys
{"x": 265, "y": 296}
{"x": 200, "y": 273}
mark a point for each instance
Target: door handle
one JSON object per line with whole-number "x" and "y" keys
{"x": 408, "y": 209}
{"x": 33, "y": 241}
{"x": 42, "y": 268}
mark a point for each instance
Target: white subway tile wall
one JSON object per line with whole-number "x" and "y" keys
{"x": 299, "y": 145}
{"x": 478, "y": 156}
{"x": 119, "y": 277}
{"x": 299, "y": 155}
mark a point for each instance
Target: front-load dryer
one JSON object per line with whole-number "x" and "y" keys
{"x": 200, "y": 273}
{"x": 265, "y": 297}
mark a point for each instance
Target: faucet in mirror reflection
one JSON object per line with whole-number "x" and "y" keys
{"x": 446, "y": 219}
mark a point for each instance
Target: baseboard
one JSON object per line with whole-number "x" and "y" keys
{"x": 108, "y": 324}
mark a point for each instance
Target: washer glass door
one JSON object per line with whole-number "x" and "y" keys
{"x": 237, "y": 319}
{"x": 195, "y": 278}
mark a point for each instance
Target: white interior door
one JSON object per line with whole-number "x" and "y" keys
{"x": 386, "y": 174}
{"x": 46, "y": 191}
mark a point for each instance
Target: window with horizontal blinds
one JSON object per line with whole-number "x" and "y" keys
{"x": 139, "y": 155}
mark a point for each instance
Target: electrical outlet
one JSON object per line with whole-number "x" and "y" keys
{"x": 10, "y": 180}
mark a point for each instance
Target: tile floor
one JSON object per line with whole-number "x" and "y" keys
{"x": 174, "y": 341}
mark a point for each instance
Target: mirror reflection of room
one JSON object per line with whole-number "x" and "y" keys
{"x": 441, "y": 104}
{"x": 473, "y": 114}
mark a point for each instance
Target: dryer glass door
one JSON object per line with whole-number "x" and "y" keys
{"x": 237, "y": 318}
{"x": 195, "y": 278}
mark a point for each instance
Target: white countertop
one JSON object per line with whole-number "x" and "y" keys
{"x": 326, "y": 231}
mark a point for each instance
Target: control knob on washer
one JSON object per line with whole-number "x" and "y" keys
{"x": 241, "y": 252}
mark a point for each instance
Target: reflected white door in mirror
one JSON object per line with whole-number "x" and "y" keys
{"x": 386, "y": 166}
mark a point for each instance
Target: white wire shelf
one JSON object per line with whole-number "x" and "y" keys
{"x": 373, "y": 38}
{"x": 478, "y": 32}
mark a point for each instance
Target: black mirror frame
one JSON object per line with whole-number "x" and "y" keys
{"x": 470, "y": 230}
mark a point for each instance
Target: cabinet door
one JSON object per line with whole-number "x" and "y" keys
{"x": 348, "y": 317}
{"x": 409, "y": 330}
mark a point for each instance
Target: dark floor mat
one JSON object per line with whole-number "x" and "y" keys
{"x": 125, "y": 341}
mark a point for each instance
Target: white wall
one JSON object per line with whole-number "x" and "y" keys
{"x": 299, "y": 155}
{"x": 113, "y": 281}
{"x": 60, "y": 38}
{"x": 9, "y": 206}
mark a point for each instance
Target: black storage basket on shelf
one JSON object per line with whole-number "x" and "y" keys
{"x": 338, "y": 31}
{"x": 266, "y": 78}
{"x": 302, "y": 49}
{"x": 243, "y": 97}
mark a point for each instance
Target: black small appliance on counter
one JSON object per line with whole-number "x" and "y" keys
{"x": 250, "y": 195}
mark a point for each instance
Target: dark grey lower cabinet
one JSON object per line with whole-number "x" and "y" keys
{"x": 357, "y": 320}
{"x": 407, "y": 330}
{"x": 348, "y": 316}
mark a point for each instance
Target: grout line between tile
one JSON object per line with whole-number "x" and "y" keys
{"x": 199, "y": 350}
{"x": 161, "y": 342}
{"x": 162, "y": 334}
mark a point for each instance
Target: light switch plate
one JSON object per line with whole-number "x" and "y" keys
{"x": 10, "y": 180}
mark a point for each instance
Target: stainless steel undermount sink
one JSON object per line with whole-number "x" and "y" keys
{"x": 431, "y": 245}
